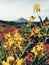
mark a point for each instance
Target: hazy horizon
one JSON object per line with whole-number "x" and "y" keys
{"x": 15, "y": 9}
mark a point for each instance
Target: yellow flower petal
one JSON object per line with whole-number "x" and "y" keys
{"x": 10, "y": 58}
{"x": 37, "y": 7}
{"x": 19, "y": 61}
{"x": 5, "y": 63}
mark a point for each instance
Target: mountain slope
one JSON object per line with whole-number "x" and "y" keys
{"x": 22, "y": 20}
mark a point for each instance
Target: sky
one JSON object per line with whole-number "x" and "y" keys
{"x": 15, "y": 9}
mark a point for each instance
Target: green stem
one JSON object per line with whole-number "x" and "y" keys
{"x": 41, "y": 23}
{"x": 26, "y": 48}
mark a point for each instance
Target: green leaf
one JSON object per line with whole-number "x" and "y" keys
{"x": 43, "y": 31}
{"x": 43, "y": 59}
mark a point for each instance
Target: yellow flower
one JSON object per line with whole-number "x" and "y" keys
{"x": 20, "y": 47}
{"x": 10, "y": 41}
{"x": 16, "y": 31}
{"x": 40, "y": 46}
{"x": 36, "y": 53}
{"x": 19, "y": 42}
{"x": 45, "y": 34}
{"x": 16, "y": 34}
{"x": 19, "y": 61}
{"x": 37, "y": 48}
{"x": 37, "y": 7}
{"x": 27, "y": 25}
{"x": 18, "y": 37}
{"x": 5, "y": 46}
{"x": 10, "y": 59}
{"x": 39, "y": 34}
{"x": 7, "y": 35}
{"x": 32, "y": 33}
{"x": 32, "y": 18}
{"x": 34, "y": 50}
{"x": 5, "y": 63}
{"x": 36, "y": 30}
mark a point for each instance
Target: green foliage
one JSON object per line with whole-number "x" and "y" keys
{"x": 44, "y": 30}
{"x": 48, "y": 30}
{"x": 25, "y": 29}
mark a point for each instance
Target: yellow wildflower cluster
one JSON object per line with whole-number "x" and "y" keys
{"x": 12, "y": 61}
{"x": 9, "y": 38}
{"x": 19, "y": 61}
{"x": 39, "y": 47}
{"x": 14, "y": 38}
{"x": 17, "y": 36}
{"x": 35, "y": 32}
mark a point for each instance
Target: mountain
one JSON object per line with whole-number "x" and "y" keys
{"x": 18, "y": 23}
{"x": 13, "y": 23}
{"x": 22, "y": 20}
